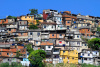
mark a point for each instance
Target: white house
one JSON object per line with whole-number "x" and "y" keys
{"x": 88, "y": 56}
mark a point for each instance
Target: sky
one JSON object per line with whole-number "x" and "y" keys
{"x": 21, "y": 7}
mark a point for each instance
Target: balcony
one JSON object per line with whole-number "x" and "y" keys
{"x": 55, "y": 52}
{"x": 44, "y": 33}
{"x": 11, "y": 26}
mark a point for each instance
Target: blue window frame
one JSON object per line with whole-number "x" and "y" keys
{"x": 63, "y": 51}
{"x": 83, "y": 54}
{"x": 60, "y": 34}
{"x": 88, "y": 54}
{"x": 89, "y": 58}
{"x": 7, "y": 53}
{"x": 75, "y": 26}
{"x": 49, "y": 46}
{"x": 31, "y": 33}
{"x": 67, "y": 27}
{"x": 67, "y": 21}
{"x": 38, "y": 34}
{"x": 77, "y": 36}
{"x": 74, "y": 21}
{"x": 36, "y": 42}
{"x": 52, "y": 34}
{"x": 44, "y": 26}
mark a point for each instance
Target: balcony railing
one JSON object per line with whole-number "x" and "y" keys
{"x": 11, "y": 26}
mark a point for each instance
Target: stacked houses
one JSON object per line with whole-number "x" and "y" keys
{"x": 59, "y": 34}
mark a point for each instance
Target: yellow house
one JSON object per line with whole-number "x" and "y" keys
{"x": 30, "y": 19}
{"x": 69, "y": 56}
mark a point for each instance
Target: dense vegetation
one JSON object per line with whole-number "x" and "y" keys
{"x": 36, "y": 58}
{"x": 94, "y": 43}
{"x": 69, "y": 65}
{"x": 13, "y": 64}
{"x": 33, "y": 11}
{"x": 33, "y": 26}
{"x": 11, "y": 17}
{"x": 29, "y": 48}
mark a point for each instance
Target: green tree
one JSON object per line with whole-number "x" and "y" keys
{"x": 36, "y": 58}
{"x": 94, "y": 43}
{"x": 29, "y": 48}
{"x": 98, "y": 29}
{"x": 37, "y": 22}
{"x": 4, "y": 64}
{"x": 11, "y": 17}
{"x": 33, "y": 11}
{"x": 18, "y": 54}
{"x": 32, "y": 26}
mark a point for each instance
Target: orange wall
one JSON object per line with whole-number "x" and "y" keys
{"x": 12, "y": 30}
{"x": 85, "y": 31}
{"x": 4, "y": 21}
{"x": 68, "y": 23}
{"x": 50, "y": 36}
{"x": 24, "y": 34}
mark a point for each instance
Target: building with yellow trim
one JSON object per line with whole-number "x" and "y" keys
{"x": 30, "y": 19}
{"x": 69, "y": 56}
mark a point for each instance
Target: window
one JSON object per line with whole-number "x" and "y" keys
{"x": 89, "y": 58}
{"x": 85, "y": 58}
{"x": 73, "y": 58}
{"x": 68, "y": 22}
{"x": 7, "y": 53}
{"x": 23, "y": 51}
{"x": 67, "y": 27}
{"x": 9, "y": 29}
{"x": 31, "y": 33}
{"x": 48, "y": 46}
{"x": 44, "y": 26}
{"x": 56, "y": 50}
{"x": 88, "y": 54}
{"x": 38, "y": 34}
{"x": 88, "y": 29}
{"x": 31, "y": 17}
{"x": 63, "y": 51}
{"x": 25, "y": 17}
{"x": 31, "y": 38}
{"x": 96, "y": 52}
{"x": 63, "y": 57}
{"x": 52, "y": 26}
{"x": 52, "y": 34}
{"x": 0, "y": 53}
{"x": 81, "y": 24}
{"x": 20, "y": 22}
{"x": 60, "y": 34}
{"x": 83, "y": 54}
{"x": 78, "y": 43}
{"x": 36, "y": 42}
{"x": 77, "y": 36}
{"x": 21, "y": 33}
{"x": 85, "y": 44}
{"x": 8, "y": 59}
{"x": 87, "y": 34}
